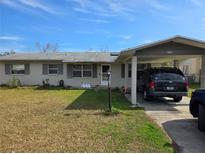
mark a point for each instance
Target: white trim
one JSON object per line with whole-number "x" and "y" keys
{"x": 16, "y": 74}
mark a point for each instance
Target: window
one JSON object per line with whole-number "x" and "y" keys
{"x": 52, "y": 69}
{"x": 18, "y": 69}
{"x": 77, "y": 71}
{"x": 169, "y": 76}
{"x": 87, "y": 70}
{"x": 82, "y": 70}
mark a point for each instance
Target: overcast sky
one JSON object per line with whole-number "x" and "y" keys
{"x": 81, "y": 25}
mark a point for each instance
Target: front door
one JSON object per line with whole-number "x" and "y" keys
{"x": 104, "y": 77}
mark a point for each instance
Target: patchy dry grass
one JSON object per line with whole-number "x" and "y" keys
{"x": 34, "y": 120}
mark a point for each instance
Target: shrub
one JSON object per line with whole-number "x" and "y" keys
{"x": 117, "y": 88}
{"x": 14, "y": 82}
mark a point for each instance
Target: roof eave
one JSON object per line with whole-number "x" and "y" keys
{"x": 201, "y": 44}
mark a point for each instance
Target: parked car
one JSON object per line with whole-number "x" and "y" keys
{"x": 197, "y": 107}
{"x": 163, "y": 82}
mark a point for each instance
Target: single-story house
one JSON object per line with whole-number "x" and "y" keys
{"x": 73, "y": 68}
{"x": 91, "y": 67}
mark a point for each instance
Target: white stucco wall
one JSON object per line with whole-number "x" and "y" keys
{"x": 36, "y": 77}
{"x": 116, "y": 80}
{"x": 193, "y": 63}
{"x": 194, "y": 67}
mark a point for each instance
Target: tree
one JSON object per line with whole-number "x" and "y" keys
{"x": 48, "y": 47}
{"x": 5, "y": 53}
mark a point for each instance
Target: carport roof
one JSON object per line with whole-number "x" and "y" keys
{"x": 177, "y": 39}
{"x": 196, "y": 47}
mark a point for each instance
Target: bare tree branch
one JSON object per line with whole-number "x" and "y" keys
{"x": 48, "y": 47}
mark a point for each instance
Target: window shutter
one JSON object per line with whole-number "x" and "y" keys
{"x": 122, "y": 70}
{"x": 129, "y": 70}
{"x": 95, "y": 73}
{"x": 45, "y": 69}
{"x": 69, "y": 70}
{"x": 60, "y": 69}
{"x": 8, "y": 68}
{"x": 27, "y": 69}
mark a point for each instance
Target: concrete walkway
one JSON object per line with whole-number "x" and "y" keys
{"x": 179, "y": 124}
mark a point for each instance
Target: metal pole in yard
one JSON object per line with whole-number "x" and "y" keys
{"x": 109, "y": 93}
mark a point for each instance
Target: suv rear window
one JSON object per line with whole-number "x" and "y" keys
{"x": 168, "y": 76}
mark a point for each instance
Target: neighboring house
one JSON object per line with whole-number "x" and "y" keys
{"x": 191, "y": 68}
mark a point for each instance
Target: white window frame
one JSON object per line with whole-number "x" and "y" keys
{"x": 53, "y": 69}
{"x": 17, "y": 73}
{"x": 79, "y": 70}
{"x": 91, "y": 70}
{"x": 82, "y": 70}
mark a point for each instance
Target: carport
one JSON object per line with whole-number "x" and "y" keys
{"x": 169, "y": 50}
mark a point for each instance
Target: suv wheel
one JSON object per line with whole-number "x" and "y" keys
{"x": 177, "y": 99}
{"x": 201, "y": 120}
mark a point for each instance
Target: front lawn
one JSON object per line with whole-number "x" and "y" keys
{"x": 35, "y": 120}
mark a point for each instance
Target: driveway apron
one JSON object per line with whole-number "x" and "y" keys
{"x": 176, "y": 120}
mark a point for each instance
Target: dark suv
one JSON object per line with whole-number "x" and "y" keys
{"x": 197, "y": 107}
{"x": 163, "y": 82}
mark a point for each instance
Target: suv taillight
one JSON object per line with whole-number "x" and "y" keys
{"x": 151, "y": 85}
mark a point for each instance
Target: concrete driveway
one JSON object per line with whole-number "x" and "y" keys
{"x": 179, "y": 124}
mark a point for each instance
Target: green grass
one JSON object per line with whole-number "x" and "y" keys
{"x": 57, "y": 120}
{"x": 193, "y": 87}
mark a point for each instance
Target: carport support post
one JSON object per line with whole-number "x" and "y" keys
{"x": 134, "y": 81}
{"x": 202, "y": 71}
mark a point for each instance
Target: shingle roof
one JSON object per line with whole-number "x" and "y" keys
{"x": 64, "y": 57}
